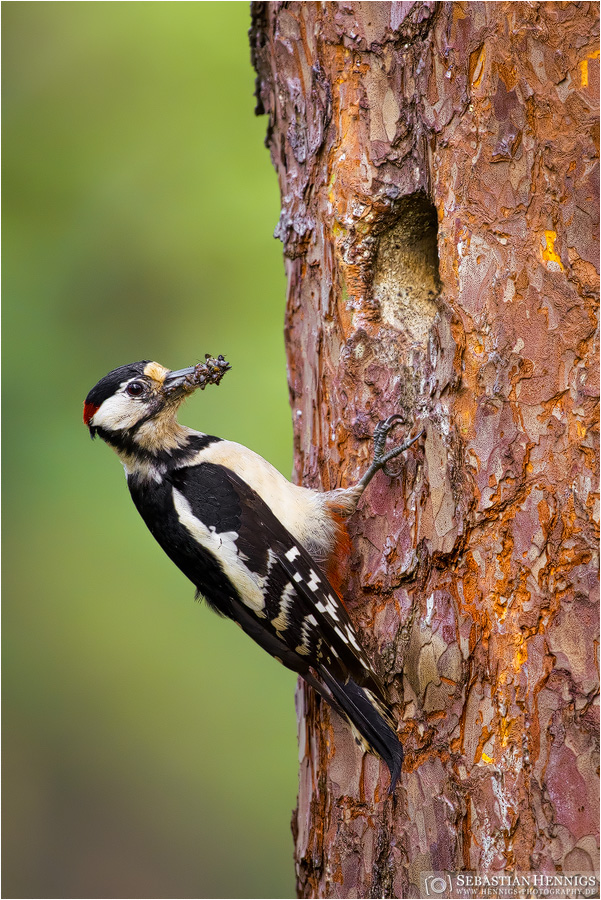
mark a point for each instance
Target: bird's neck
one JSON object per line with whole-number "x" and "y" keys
{"x": 162, "y": 435}
{"x": 155, "y": 446}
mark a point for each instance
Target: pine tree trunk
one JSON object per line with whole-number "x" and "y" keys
{"x": 439, "y": 182}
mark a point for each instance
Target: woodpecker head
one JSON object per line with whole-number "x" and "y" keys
{"x": 132, "y": 395}
{"x": 137, "y": 403}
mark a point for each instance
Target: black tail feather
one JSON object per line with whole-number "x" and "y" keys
{"x": 371, "y": 719}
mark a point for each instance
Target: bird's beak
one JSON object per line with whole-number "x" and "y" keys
{"x": 180, "y": 382}
{"x": 184, "y": 381}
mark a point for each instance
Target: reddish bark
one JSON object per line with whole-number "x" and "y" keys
{"x": 439, "y": 181}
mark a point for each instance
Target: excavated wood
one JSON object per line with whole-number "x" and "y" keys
{"x": 439, "y": 181}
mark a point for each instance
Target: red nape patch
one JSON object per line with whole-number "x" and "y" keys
{"x": 89, "y": 411}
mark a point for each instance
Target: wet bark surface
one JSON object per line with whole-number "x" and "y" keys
{"x": 439, "y": 182}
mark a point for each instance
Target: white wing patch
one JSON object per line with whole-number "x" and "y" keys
{"x": 287, "y": 599}
{"x": 308, "y": 627}
{"x": 314, "y": 581}
{"x": 272, "y": 559}
{"x": 329, "y": 606}
{"x": 222, "y": 546}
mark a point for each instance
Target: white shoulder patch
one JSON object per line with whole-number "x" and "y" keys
{"x": 223, "y": 547}
{"x": 301, "y": 511}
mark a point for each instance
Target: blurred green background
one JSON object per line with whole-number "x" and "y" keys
{"x": 149, "y": 747}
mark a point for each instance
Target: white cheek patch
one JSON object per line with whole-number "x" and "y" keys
{"x": 223, "y": 547}
{"x": 117, "y": 413}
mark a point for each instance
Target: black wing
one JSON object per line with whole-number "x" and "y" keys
{"x": 298, "y": 609}
{"x": 248, "y": 566}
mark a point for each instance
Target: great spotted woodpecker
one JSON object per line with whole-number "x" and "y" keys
{"x": 255, "y": 546}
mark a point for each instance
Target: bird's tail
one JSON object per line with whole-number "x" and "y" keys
{"x": 370, "y": 720}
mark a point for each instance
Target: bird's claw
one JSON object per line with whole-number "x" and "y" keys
{"x": 380, "y": 458}
{"x": 381, "y": 434}
{"x": 389, "y": 473}
{"x": 382, "y": 430}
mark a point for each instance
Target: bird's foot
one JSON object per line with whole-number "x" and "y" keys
{"x": 380, "y": 457}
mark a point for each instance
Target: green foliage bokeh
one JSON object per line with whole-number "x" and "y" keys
{"x": 149, "y": 747}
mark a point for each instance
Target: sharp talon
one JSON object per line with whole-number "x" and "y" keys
{"x": 396, "y": 451}
{"x": 380, "y": 458}
{"x": 383, "y": 428}
{"x": 389, "y": 422}
{"x": 381, "y": 432}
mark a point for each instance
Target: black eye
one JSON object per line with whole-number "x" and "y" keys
{"x": 135, "y": 389}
